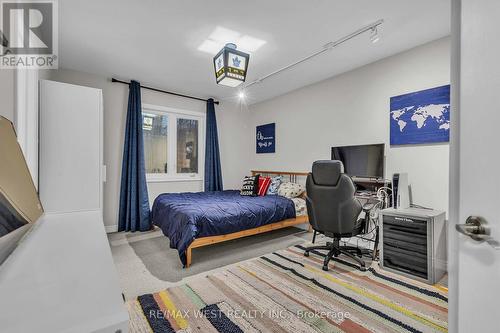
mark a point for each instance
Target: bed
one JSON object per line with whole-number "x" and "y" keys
{"x": 192, "y": 220}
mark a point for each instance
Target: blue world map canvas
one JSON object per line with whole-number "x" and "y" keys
{"x": 421, "y": 117}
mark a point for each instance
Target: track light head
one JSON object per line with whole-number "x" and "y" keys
{"x": 374, "y": 37}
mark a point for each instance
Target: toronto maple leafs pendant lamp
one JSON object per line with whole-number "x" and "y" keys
{"x": 231, "y": 66}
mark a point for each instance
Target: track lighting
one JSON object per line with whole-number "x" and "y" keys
{"x": 374, "y": 37}
{"x": 327, "y": 47}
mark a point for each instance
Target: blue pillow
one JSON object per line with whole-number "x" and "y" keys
{"x": 275, "y": 184}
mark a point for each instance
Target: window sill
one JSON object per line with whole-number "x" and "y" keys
{"x": 172, "y": 179}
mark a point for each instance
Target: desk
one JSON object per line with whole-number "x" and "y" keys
{"x": 370, "y": 184}
{"x": 62, "y": 278}
{"x": 370, "y": 197}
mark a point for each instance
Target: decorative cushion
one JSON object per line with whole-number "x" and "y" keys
{"x": 264, "y": 183}
{"x": 300, "y": 206}
{"x": 250, "y": 186}
{"x": 290, "y": 190}
{"x": 275, "y": 184}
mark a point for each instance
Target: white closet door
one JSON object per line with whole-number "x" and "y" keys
{"x": 70, "y": 147}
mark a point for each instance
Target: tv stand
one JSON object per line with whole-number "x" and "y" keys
{"x": 370, "y": 184}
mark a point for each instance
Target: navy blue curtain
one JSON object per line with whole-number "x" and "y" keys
{"x": 134, "y": 212}
{"x": 213, "y": 174}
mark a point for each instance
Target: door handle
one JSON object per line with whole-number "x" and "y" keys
{"x": 476, "y": 227}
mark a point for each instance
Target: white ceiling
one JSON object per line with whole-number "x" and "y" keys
{"x": 156, "y": 41}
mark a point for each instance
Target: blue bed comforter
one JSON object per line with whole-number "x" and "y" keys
{"x": 183, "y": 217}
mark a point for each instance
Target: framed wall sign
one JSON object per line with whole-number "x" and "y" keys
{"x": 421, "y": 117}
{"x": 266, "y": 138}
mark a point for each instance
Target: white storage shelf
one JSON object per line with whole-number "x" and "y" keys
{"x": 62, "y": 279}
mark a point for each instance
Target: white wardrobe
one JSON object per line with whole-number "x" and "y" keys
{"x": 71, "y": 148}
{"x": 64, "y": 268}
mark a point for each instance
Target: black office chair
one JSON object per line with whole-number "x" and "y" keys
{"x": 333, "y": 210}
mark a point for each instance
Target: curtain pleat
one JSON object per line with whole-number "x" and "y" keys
{"x": 213, "y": 174}
{"x": 134, "y": 213}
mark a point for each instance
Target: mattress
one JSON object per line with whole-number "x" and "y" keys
{"x": 184, "y": 217}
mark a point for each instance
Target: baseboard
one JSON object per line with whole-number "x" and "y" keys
{"x": 111, "y": 228}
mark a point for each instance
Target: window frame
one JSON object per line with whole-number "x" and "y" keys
{"x": 174, "y": 114}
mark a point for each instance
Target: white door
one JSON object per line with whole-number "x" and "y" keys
{"x": 474, "y": 267}
{"x": 70, "y": 148}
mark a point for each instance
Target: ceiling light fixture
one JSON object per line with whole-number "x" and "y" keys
{"x": 231, "y": 66}
{"x": 326, "y": 47}
{"x": 374, "y": 37}
{"x": 241, "y": 95}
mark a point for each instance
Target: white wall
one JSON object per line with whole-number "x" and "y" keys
{"x": 7, "y": 93}
{"x": 115, "y": 97}
{"x": 353, "y": 108}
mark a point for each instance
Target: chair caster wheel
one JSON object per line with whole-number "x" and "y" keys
{"x": 325, "y": 268}
{"x": 306, "y": 254}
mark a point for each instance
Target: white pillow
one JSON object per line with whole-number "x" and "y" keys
{"x": 290, "y": 190}
{"x": 300, "y": 206}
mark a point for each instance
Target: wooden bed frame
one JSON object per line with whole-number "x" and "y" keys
{"x": 204, "y": 241}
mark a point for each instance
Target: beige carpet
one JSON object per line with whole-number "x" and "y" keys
{"x": 146, "y": 263}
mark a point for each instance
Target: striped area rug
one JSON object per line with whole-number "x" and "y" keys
{"x": 287, "y": 292}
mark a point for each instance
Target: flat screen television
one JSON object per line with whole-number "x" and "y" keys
{"x": 20, "y": 206}
{"x": 363, "y": 161}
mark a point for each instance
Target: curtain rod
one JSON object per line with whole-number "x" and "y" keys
{"x": 165, "y": 92}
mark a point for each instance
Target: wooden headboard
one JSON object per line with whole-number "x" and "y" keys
{"x": 291, "y": 175}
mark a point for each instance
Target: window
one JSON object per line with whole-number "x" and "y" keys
{"x": 173, "y": 143}
{"x": 187, "y": 145}
{"x": 155, "y": 132}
